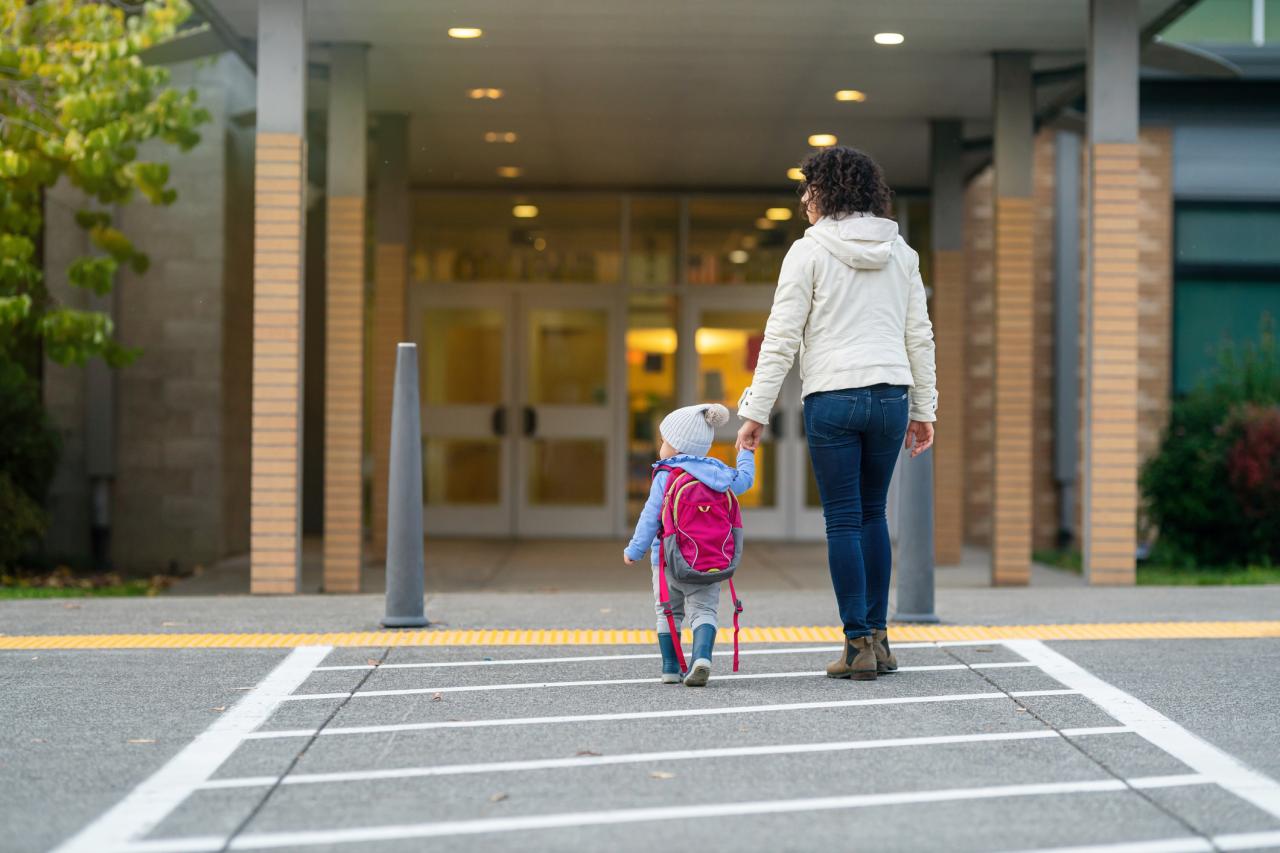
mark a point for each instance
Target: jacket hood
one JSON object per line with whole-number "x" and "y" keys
{"x": 861, "y": 242}
{"x": 711, "y": 471}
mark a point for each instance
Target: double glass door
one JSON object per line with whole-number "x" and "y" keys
{"x": 519, "y": 416}
{"x": 726, "y": 327}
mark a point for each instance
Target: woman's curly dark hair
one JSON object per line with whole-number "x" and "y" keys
{"x": 844, "y": 180}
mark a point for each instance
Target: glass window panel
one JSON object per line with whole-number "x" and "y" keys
{"x": 462, "y": 356}
{"x": 728, "y": 344}
{"x": 1208, "y": 314}
{"x": 651, "y": 386}
{"x": 568, "y": 357}
{"x": 732, "y": 239}
{"x": 1228, "y": 234}
{"x": 1221, "y": 21}
{"x": 566, "y": 472}
{"x": 655, "y": 235}
{"x": 479, "y": 237}
{"x": 763, "y": 494}
{"x": 461, "y": 471}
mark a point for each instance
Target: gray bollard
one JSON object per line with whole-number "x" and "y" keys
{"x": 405, "y": 567}
{"x": 915, "y": 541}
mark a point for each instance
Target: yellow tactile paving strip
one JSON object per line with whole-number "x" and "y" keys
{"x": 621, "y": 637}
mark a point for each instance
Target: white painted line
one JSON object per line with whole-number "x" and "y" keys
{"x": 533, "y": 685}
{"x": 1201, "y": 756}
{"x": 267, "y": 840}
{"x": 1189, "y": 844}
{"x": 798, "y": 650}
{"x": 643, "y": 757}
{"x": 644, "y": 715}
{"x": 162, "y": 792}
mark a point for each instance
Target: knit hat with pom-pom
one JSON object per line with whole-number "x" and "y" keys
{"x": 690, "y": 430}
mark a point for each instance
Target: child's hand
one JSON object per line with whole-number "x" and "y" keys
{"x": 627, "y": 559}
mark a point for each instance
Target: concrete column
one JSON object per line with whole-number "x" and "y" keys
{"x": 275, "y": 492}
{"x": 344, "y": 320}
{"x": 391, "y": 274}
{"x": 1110, "y": 469}
{"x": 947, "y": 230}
{"x": 1014, "y": 287}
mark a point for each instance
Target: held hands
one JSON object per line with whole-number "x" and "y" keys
{"x": 749, "y": 435}
{"x": 919, "y": 434}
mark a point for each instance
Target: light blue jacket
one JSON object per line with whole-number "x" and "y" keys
{"x": 713, "y": 472}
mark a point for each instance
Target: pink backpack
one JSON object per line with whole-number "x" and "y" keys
{"x": 701, "y": 543}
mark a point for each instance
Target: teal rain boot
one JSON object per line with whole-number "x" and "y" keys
{"x": 704, "y": 638}
{"x": 670, "y": 665}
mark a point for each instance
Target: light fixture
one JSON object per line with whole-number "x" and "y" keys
{"x": 499, "y": 136}
{"x": 539, "y": 244}
{"x": 510, "y": 171}
{"x": 484, "y": 94}
{"x": 765, "y": 224}
{"x": 524, "y": 211}
{"x": 738, "y": 256}
{"x": 822, "y": 140}
{"x": 851, "y": 95}
{"x": 795, "y": 173}
{"x": 889, "y": 38}
{"x": 465, "y": 32}
{"x": 778, "y": 214}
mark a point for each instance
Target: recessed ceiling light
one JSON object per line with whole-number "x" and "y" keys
{"x": 765, "y": 224}
{"x": 822, "y": 140}
{"x": 889, "y": 38}
{"x": 510, "y": 171}
{"x": 484, "y": 94}
{"x": 499, "y": 136}
{"x": 778, "y": 214}
{"x": 795, "y": 173}
{"x": 465, "y": 32}
{"x": 524, "y": 211}
{"x": 851, "y": 95}
{"x": 737, "y": 256}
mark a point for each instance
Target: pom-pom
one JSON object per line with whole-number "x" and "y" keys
{"x": 716, "y": 415}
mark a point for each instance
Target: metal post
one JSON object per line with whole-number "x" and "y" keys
{"x": 915, "y": 541}
{"x": 405, "y": 567}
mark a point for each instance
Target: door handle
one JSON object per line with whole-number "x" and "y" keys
{"x": 499, "y": 420}
{"x": 530, "y": 421}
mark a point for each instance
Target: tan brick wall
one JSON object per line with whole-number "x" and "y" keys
{"x": 949, "y": 453}
{"x": 979, "y": 237}
{"x": 1155, "y": 285}
{"x": 1045, "y": 522}
{"x": 275, "y": 525}
{"x": 344, "y": 393}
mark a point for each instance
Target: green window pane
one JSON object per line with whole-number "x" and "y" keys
{"x": 1209, "y": 313}
{"x": 1220, "y": 21}
{"x": 1228, "y": 234}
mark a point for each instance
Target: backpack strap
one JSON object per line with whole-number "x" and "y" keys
{"x": 664, "y": 597}
{"x": 737, "y": 608}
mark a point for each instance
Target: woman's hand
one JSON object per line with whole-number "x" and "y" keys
{"x": 919, "y": 434}
{"x": 749, "y": 435}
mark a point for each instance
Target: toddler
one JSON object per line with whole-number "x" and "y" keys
{"x": 686, "y": 435}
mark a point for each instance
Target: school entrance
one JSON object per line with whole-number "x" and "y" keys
{"x": 557, "y": 330}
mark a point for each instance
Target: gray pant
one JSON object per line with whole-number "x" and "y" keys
{"x": 702, "y": 601}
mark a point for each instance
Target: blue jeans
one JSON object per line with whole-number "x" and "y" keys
{"x": 854, "y": 436}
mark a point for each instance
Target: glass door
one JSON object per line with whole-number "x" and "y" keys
{"x": 465, "y": 381}
{"x": 569, "y": 477}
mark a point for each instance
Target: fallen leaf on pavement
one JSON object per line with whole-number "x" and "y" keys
{"x": 661, "y": 774}
{"x": 497, "y": 798}
{"x": 606, "y": 609}
{"x": 585, "y": 752}
{"x": 373, "y": 662}
{"x": 169, "y": 624}
{"x": 38, "y": 740}
{"x": 71, "y": 607}
{"x": 436, "y": 697}
{"x": 142, "y": 740}
{"x": 220, "y": 708}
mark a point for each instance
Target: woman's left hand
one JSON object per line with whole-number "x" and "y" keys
{"x": 919, "y": 434}
{"x": 749, "y": 435}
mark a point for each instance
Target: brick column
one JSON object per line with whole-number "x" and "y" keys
{"x": 1013, "y": 323}
{"x": 1110, "y": 490}
{"x": 275, "y": 491}
{"x": 344, "y": 321}
{"x": 391, "y": 273}
{"x": 947, "y": 231}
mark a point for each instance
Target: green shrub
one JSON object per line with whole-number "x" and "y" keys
{"x": 1204, "y": 516}
{"x": 28, "y": 456}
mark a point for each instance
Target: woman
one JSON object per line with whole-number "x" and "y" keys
{"x": 851, "y": 301}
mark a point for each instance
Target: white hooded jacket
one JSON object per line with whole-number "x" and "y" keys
{"x": 850, "y": 300}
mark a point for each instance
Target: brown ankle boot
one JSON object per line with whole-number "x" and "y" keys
{"x": 858, "y": 661}
{"x": 885, "y": 661}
